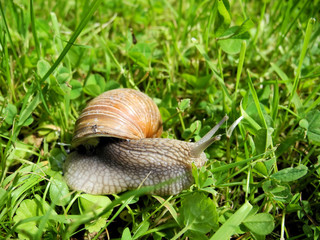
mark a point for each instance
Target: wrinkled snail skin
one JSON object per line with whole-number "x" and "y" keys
{"x": 121, "y": 165}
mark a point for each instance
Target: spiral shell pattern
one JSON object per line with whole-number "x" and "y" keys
{"x": 120, "y": 113}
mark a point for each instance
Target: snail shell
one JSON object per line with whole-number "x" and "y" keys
{"x": 120, "y": 113}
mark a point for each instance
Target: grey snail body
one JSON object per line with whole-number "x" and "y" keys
{"x": 114, "y": 165}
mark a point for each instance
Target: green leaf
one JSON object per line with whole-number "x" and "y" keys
{"x": 141, "y": 229}
{"x": 235, "y": 32}
{"x": 59, "y": 191}
{"x": 165, "y": 114}
{"x": 197, "y": 236}
{"x": 25, "y": 114}
{"x": 290, "y": 174}
{"x": 42, "y": 67}
{"x": 56, "y": 159}
{"x": 197, "y": 82}
{"x": 28, "y": 122}
{"x": 205, "y": 178}
{"x": 261, "y": 223}
{"x": 63, "y": 75}
{"x": 140, "y": 54}
{"x": 303, "y": 52}
{"x": 232, "y": 38}
{"x": 223, "y": 19}
{"x": 304, "y": 124}
{"x": 263, "y": 139}
{"x": 27, "y": 209}
{"x": 95, "y": 85}
{"x": 96, "y": 226}
{"x": 245, "y": 27}
{"x": 57, "y": 87}
{"x": 10, "y": 113}
{"x": 184, "y": 104}
{"x": 230, "y": 226}
{"x": 126, "y": 234}
{"x": 195, "y": 127}
{"x": 261, "y": 167}
{"x": 230, "y": 46}
{"x": 76, "y": 89}
{"x": 3, "y": 197}
{"x": 92, "y": 90}
{"x": 191, "y": 79}
{"x": 20, "y": 151}
{"x": 278, "y": 191}
{"x": 111, "y": 84}
{"x": 250, "y": 123}
{"x": 287, "y": 143}
{"x": 313, "y": 119}
{"x": 94, "y": 203}
{"x": 198, "y": 213}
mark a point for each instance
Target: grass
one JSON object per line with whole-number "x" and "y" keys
{"x": 198, "y": 60}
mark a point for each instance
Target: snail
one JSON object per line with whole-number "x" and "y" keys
{"x": 117, "y": 148}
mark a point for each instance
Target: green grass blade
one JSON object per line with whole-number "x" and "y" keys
{"x": 289, "y": 22}
{"x": 239, "y": 69}
{"x": 13, "y": 48}
{"x": 302, "y": 55}
{"x": 275, "y": 101}
{"x": 256, "y": 101}
{"x": 263, "y": 11}
{"x": 213, "y": 69}
{"x": 26, "y": 113}
{"x": 242, "y": 162}
{"x": 104, "y": 44}
{"x": 312, "y": 95}
{"x": 57, "y": 37}
{"x": 296, "y": 100}
{"x": 34, "y": 31}
{"x": 73, "y": 38}
{"x": 255, "y": 126}
{"x": 6, "y": 69}
{"x": 313, "y": 105}
{"x": 123, "y": 200}
{"x": 229, "y": 227}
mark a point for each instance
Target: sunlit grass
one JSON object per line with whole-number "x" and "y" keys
{"x": 198, "y": 60}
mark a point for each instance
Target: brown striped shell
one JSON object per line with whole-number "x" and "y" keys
{"x": 121, "y": 113}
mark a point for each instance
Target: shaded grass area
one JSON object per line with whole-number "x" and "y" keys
{"x": 198, "y": 60}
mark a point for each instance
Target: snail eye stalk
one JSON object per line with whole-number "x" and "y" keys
{"x": 207, "y": 139}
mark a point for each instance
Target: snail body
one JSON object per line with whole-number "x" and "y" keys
{"x": 115, "y": 164}
{"x": 120, "y": 165}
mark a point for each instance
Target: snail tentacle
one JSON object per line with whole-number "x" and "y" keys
{"x": 207, "y": 139}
